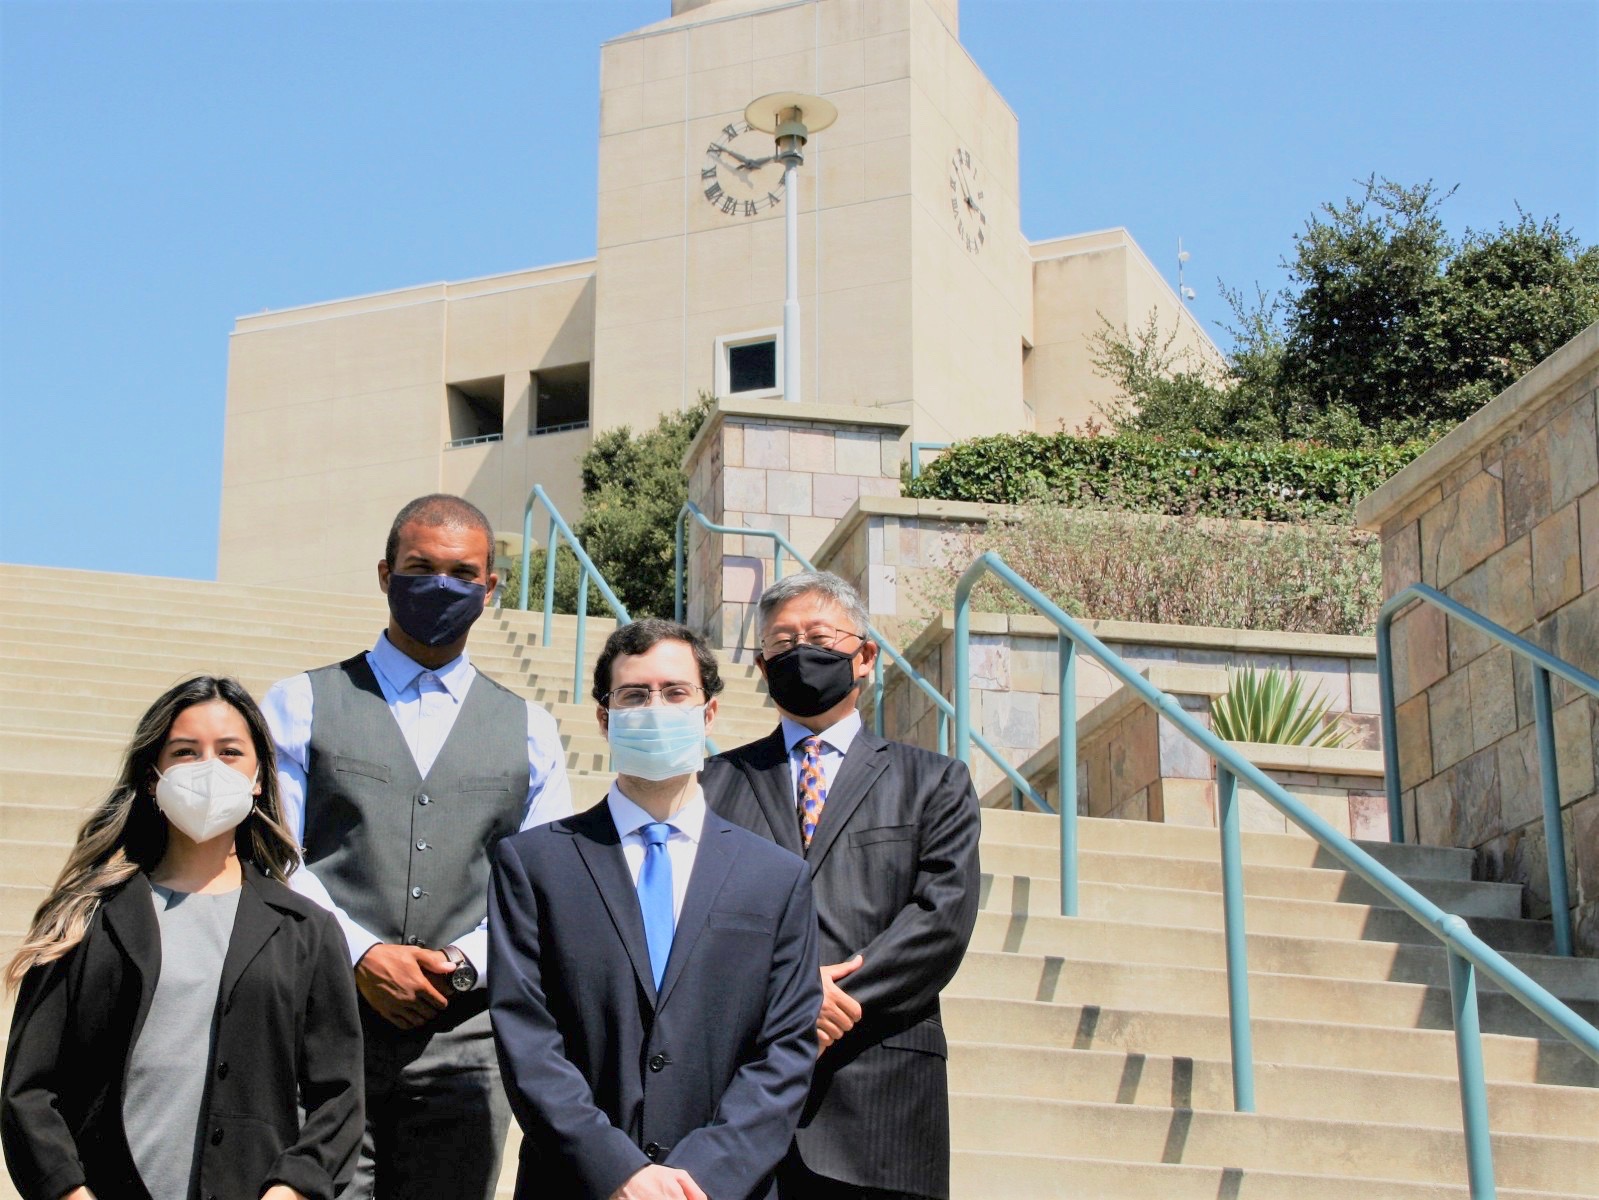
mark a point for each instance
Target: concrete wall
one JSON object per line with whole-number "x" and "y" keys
{"x": 1503, "y": 515}
{"x": 339, "y": 413}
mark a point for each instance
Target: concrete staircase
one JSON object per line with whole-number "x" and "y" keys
{"x": 1089, "y": 1056}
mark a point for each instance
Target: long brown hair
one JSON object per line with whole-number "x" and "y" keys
{"x": 126, "y": 832}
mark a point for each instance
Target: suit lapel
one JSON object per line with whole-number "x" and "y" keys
{"x": 866, "y": 760}
{"x": 767, "y": 769}
{"x": 253, "y": 926}
{"x": 601, "y": 849}
{"x": 711, "y": 866}
{"x": 130, "y": 917}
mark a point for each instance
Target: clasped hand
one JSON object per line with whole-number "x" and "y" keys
{"x": 840, "y": 1011}
{"x": 405, "y": 985}
{"x": 656, "y": 1182}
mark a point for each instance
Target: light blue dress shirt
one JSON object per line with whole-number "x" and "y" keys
{"x": 425, "y": 703}
{"x": 836, "y": 741}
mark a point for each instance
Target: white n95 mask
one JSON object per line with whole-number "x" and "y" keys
{"x": 204, "y": 798}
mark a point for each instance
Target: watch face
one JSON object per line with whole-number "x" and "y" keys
{"x": 741, "y": 175}
{"x": 966, "y": 201}
{"x": 463, "y": 978}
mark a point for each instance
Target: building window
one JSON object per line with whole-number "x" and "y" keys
{"x": 560, "y": 399}
{"x": 476, "y": 411}
{"x": 749, "y": 364}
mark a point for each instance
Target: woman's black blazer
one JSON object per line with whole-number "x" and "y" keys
{"x": 285, "y": 1031}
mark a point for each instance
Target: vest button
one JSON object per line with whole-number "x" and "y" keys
{"x": 657, "y": 1062}
{"x": 222, "y": 1070}
{"x": 416, "y": 893}
{"x": 216, "y": 1136}
{"x": 420, "y": 844}
{"x": 652, "y": 1151}
{"x": 413, "y": 940}
{"x": 424, "y": 800}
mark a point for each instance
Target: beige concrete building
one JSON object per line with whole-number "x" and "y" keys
{"x": 920, "y": 295}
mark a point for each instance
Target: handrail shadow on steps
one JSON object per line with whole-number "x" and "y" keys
{"x": 1467, "y": 953}
{"x": 1544, "y": 665}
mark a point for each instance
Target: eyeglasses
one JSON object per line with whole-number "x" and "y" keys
{"x": 636, "y": 695}
{"x": 824, "y": 636}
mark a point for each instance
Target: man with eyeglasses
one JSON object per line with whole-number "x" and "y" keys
{"x": 653, "y": 970}
{"x": 889, "y": 832}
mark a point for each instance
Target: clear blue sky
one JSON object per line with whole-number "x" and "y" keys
{"x": 166, "y": 167}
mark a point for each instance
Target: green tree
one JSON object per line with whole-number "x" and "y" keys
{"x": 1388, "y": 329}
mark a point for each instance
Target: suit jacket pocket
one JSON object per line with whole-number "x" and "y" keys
{"x": 359, "y": 766}
{"x": 925, "y": 1037}
{"x": 882, "y": 833}
{"x": 739, "y": 922}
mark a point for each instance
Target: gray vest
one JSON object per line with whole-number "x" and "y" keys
{"x": 407, "y": 857}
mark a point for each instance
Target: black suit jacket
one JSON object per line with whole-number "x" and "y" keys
{"x": 606, "y": 1076}
{"x": 894, "y": 867}
{"x": 285, "y": 1031}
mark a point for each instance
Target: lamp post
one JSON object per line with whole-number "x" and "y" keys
{"x": 792, "y": 117}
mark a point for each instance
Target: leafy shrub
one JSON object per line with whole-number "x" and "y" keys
{"x": 566, "y": 573}
{"x": 1191, "y": 477}
{"x": 1306, "y": 578}
{"x": 1271, "y": 706}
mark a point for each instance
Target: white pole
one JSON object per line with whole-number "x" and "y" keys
{"x": 791, "y": 307}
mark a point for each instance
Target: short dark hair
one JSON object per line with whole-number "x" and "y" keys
{"x": 439, "y": 508}
{"x": 639, "y": 637}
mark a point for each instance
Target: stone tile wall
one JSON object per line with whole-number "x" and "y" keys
{"x": 1016, "y": 681}
{"x": 1502, "y": 515}
{"x": 793, "y": 468}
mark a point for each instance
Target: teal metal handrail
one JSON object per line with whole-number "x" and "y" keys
{"x": 559, "y": 529}
{"x": 1544, "y": 665}
{"x": 916, "y": 454}
{"x": 781, "y": 545}
{"x": 1467, "y": 953}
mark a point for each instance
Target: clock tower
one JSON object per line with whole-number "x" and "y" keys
{"x": 916, "y": 283}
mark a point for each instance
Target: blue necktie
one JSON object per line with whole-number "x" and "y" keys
{"x": 655, "y": 897}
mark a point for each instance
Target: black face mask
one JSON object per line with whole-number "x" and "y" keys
{"x": 809, "y": 680}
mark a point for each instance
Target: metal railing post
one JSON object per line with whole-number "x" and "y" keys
{"x": 1390, "y": 727}
{"x": 963, "y": 672}
{"x": 1232, "y": 888}
{"x": 1554, "y": 831}
{"x": 1468, "y": 1060}
{"x": 582, "y": 634}
{"x": 777, "y": 561}
{"x": 877, "y": 688}
{"x": 527, "y": 550}
{"x": 943, "y": 734}
{"x": 678, "y": 590}
{"x": 1066, "y": 740}
{"x": 552, "y": 551}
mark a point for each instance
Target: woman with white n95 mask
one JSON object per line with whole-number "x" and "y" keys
{"x": 185, "y": 1024}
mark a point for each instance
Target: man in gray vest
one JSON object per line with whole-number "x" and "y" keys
{"x": 400, "y": 768}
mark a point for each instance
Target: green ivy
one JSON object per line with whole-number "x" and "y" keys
{"x": 1134, "y": 473}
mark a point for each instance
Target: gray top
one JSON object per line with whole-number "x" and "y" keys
{"x": 166, "y": 1069}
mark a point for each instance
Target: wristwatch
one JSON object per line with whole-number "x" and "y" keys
{"x": 464, "y": 977}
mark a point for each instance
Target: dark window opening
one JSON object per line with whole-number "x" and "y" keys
{"x": 477, "y": 411}
{"x": 752, "y": 367}
{"x": 561, "y": 399}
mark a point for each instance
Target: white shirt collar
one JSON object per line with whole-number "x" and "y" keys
{"x": 401, "y": 671}
{"x": 629, "y": 818}
{"x": 840, "y": 735}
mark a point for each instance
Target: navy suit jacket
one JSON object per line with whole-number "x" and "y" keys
{"x": 606, "y": 1076}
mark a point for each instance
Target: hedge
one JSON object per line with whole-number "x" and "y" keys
{"x": 1133, "y": 473}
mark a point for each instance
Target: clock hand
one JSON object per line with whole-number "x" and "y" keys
{"x": 747, "y": 163}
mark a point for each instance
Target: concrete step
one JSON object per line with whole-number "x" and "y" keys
{"x": 1298, "y": 1145}
{"x": 1143, "y": 905}
{"x": 983, "y": 1175}
{"x": 1042, "y": 866}
{"x": 1506, "y": 1058}
{"x": 1178, "y": 1082}
{"x": 1084, "y": 938}
{"x": 1196, "y": 990}
{"x": 1012, "y": 828}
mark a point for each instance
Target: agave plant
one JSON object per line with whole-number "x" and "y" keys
{"x": 1272, "y": 706}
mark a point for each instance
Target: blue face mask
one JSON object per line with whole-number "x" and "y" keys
{"x": 435, "y": 609}
{"x": 660, "y": 741}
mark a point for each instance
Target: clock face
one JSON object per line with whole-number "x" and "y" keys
{"x": 966, "y": 201}
{"x": 741, "y": 176}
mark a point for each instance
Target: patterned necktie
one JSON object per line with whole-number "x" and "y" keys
{"x": 655, "y": 897}
{"x": 812, "y": 789}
